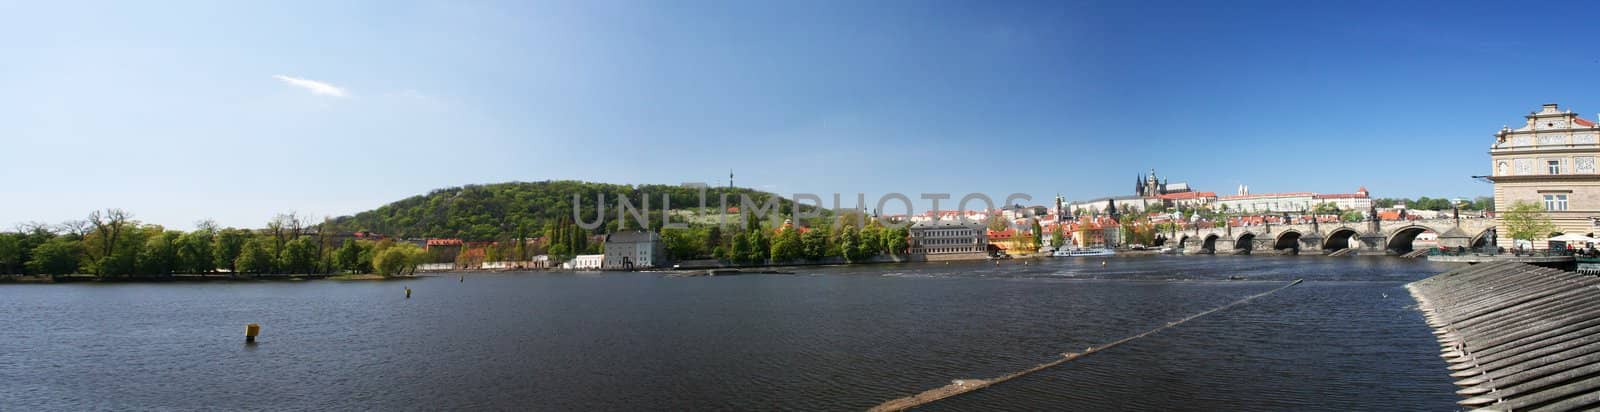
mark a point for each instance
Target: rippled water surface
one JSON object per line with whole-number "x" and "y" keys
{"x": 834, "y": 338}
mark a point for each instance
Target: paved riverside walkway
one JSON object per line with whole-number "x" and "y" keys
{"x": 1517, "y": 336}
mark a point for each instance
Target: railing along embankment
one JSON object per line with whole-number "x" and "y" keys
{"x": 1517, "y": 336}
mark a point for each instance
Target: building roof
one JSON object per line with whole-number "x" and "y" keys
{"x": 1267, "y": 195}
{"x": 1342, "y": 196}
{"x": 1582, "y": 122}
{"x": 1187, "y": 195}
{"x": 945, "y": 223}
{"x": 633, "y": 236}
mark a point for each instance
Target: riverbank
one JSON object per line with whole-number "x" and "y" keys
{"x": 15, "y": 279}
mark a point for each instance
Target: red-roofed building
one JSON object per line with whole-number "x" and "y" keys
{"x": 442, "y": 250}
{"x": 1360, "y": 200}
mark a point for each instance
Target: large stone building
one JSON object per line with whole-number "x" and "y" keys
{"x": 935, "y": 237}
{"x": 634, "y": 250}
{"x": 1267, "y": 202}
{"x": 1360, "y": 200}
{"x": 1549, "y": 161}
{"x": 1294, "y": 202}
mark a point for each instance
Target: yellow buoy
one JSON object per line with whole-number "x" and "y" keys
{"x": 1102, "y": 263}
{"x": 250, "y": 332}
{"x": 408, "y": 293}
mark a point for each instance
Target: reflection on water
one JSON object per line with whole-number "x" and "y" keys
{"x": 837, "y": 338}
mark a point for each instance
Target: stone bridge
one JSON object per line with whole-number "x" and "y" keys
{"x": 1370, "y": 237}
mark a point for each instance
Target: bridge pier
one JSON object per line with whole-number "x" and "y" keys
{"x": 1311, "y": 245}
{"x": 1455, "y": 238}
{"x": 1372, "y": 244}
{"x": 1223, "y": 246}
{"x": 1264, "y": 244}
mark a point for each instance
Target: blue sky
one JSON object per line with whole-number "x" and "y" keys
{"x": 176, "y": 111}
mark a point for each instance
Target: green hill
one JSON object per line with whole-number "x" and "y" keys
{"x": 504, "y": 210}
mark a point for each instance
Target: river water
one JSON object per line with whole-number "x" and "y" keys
{"x": 830, "y": 338}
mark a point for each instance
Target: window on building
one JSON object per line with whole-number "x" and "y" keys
{"x": 1555, "y": 167}
{"x": 1555, "y": 202}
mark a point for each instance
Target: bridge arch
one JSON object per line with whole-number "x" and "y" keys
{"x": 1209, "y": 245}
{"x": 1288, "y": 240}
{"x": 1245, "y": 242}
{"x": 1481, "y": 241}
{"x": 1400, "y": 239}
{"x": 1341, "y": 238}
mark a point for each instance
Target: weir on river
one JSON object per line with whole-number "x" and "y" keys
{"x": 1517, "y": 336}
{"x": 962, "y": 386}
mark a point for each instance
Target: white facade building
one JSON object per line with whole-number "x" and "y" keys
{"x": 948, "y": 236}
{"x": 584, "y": 262}
{"x": 1269, "y": 202}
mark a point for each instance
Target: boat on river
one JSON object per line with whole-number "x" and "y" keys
{"x": 1076, "y": 252}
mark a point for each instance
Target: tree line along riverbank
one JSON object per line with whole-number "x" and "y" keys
{"x": 110, "y": 245}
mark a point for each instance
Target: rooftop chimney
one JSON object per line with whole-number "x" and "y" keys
{"x": 1549, "y": 108}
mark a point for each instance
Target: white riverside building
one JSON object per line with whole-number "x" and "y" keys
{"x": 1294, "y": 202}
{"x": 934, "y": 237}
{"x": 584, "y": 262}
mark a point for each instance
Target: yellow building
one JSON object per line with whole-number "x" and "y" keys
{"x": 1550, "y": 160}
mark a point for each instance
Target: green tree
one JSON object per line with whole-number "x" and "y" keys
{"x": 787, "y": 246}
{"x": 347, "y": 257}
{"x": 1483, "y": 203}
{"x": 1035, "y": 233}
{"x": 107, "y": 238}
{"x": 814, "y": 244}
{"x": 194, "y": 251}
{"x": 682, "y": 244}
{"x": 1351, "y": 216}
{"x": 1325, "y": 208}
{"x": 760, "y": 247}
{"x": 897, "y": 241}
{"x": 713, "y": 239}
{"x": 399, "y": 260}
{"x": 12, "y": 256}
{"x": 871, "y": 243}
{"x": 1057, "y": 236}
{"x": 160, "y": 254}
{"x": 254, "y": 257}
{"x": 299, "y": 256}
{"x": 1527, "y": 221}
{"x": 56, "y": 257}
{"x": 738, "y": 248}
{"x": 125, "y": 252}
{"x": 227, "y": 246}
{"x": 850, "y": 244}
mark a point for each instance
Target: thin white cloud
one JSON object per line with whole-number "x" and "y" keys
{"x": 314, "y": 86}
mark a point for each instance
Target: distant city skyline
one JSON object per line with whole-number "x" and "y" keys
{"x": 235, "y": 112}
